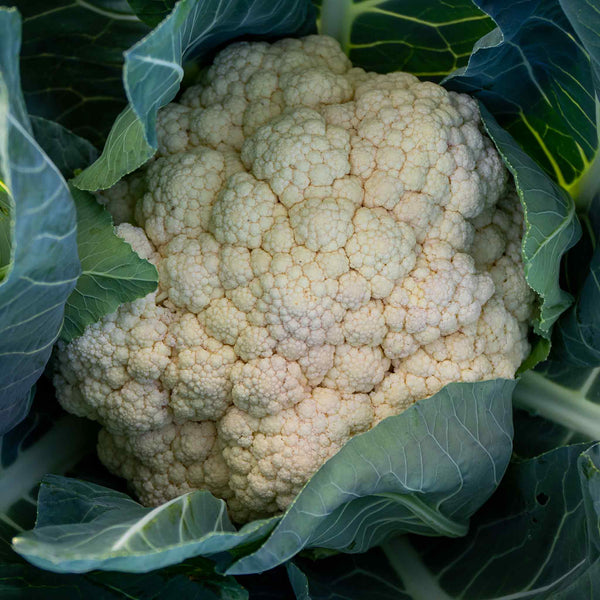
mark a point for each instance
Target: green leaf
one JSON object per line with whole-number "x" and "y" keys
{"x": 543, "y": 519}
{"x": 585, "y": 20}
{"x": 424, "y": 471}
{"x": 540, "y": 348}
{"x": 361, "y": 496}
{"x": 584, "y": 17}
{"x": 535, "y": 77}
{"x": 153, "y": 70}
{"x": 298, "y": 581}
{"x": 152, "y": 12}
{"x": 68, "y": 151}
{"x": 112, "y": 273}
{"x": 430, "y": 39}
{"x": 125, "y": 150}
{"x": 44, "y": 265}
{"x": 577, "y": 339}
{"x": 72, "y": 58}
{"x": 82, "y": 526}
{"x": 577, "y": 335}
{"x": 538, "y": 538}
{"x": 551, "y": 225}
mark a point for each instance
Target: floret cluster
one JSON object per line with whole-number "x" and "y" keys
{"x": 332, "y": 245}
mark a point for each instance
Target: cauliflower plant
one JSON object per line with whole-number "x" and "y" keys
{"x": 332, "y": 245}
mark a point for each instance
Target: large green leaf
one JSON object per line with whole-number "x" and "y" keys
{"x": 153, "y": 70}
{"x": 578, "y": 332}
{"x": 585, "y": 20}
{"x": 111, "y": 272}
{"x": 82, "y": 526}
{"x": 544, "y": 519}
{"x": 552, "y": 225}
{"x": 538, "y": 538}
{"x": 425, "y": 471}
{"x": 430, "y": 39}
{"x": 535, "y": 77}
{"x": 72, "y": 58}
{"x": 44, "y": 265}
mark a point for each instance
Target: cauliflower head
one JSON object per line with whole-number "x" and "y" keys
{"x": 332, "y": 245}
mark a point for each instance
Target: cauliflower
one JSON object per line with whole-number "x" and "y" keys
{"x": 333, "y": 245}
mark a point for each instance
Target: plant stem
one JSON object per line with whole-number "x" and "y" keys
{"x": 65, "y": 444}
{"x": 564, "y": 406}
{"x": 335, "y": 20}
{"x": 417, "y": 579}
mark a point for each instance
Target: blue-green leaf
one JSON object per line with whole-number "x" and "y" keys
{"x": 153, "y": 70}
{"x": 430, "y": 39}
{"x": 585, "y": 20}
{"x": 82, "y": 526}
{"x": 535, "y": 77}
{"x": 43, "y": 266}
{"x": 577, "y": 339}
{"x": 537, "y": 538}
{"x": 111, "y": 272}
{"x": 298, "y": 581}
{"x": 577, "y": 335}
{"x": 552, "y": 225}
{"x": 545, "y": 519}
{"x": 424, "y": 471}
{"x": 72, "y": 58}
{"x": 67, "y": 151}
